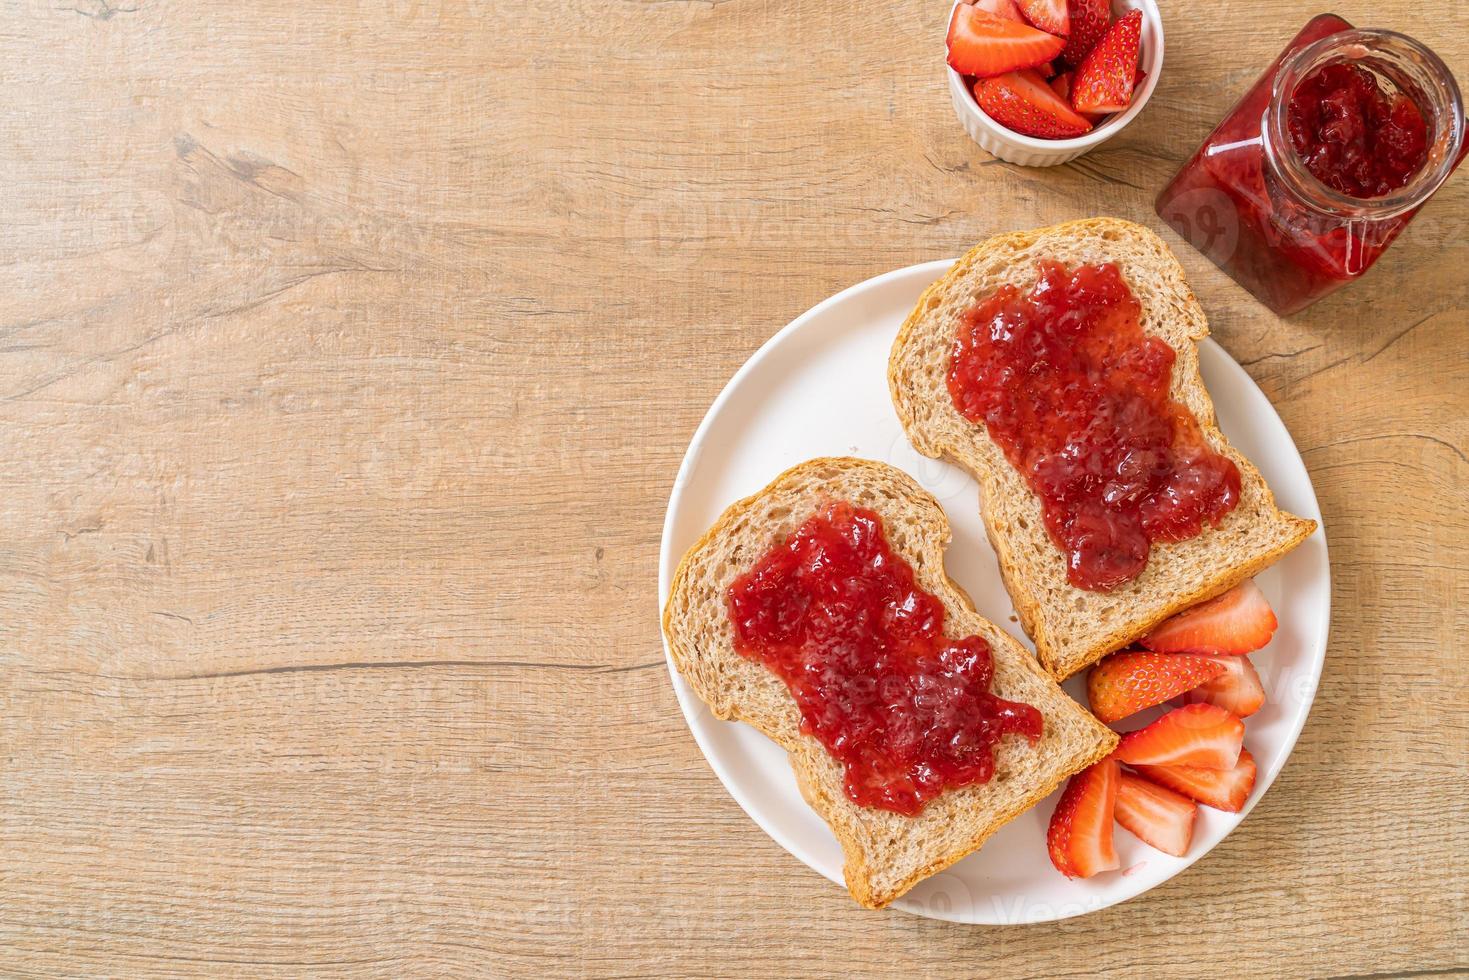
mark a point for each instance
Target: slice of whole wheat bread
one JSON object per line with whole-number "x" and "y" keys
{"x": 1073, "y": 627}
{"x": 886, "y": 853}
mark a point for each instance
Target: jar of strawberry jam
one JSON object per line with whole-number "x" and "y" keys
{"x": 1322, "y": 163}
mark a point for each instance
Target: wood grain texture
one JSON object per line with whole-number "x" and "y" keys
{"x": 347, "y": 354}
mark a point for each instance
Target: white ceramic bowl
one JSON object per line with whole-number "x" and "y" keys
{"x": 1029, "y": 151}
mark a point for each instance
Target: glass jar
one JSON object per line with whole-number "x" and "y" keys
{"x": 1247, "y": 201}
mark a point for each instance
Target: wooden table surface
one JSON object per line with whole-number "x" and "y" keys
{"x": 347, "y": 355}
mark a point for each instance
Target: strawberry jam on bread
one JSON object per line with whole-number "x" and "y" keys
{"x": 886, "y": 852}
{"x": 1073, "y": 627}
{"x": 906, "y": 708}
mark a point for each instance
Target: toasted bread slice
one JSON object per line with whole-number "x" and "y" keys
{"x": 1073, "y": 628}
{"x": 886, "y": 853}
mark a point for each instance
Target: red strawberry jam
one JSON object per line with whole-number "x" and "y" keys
{"x": 838, "y": 616}
{"x": 1354, "y": 137}
{"x": 1319, "y": 167}
{"x": 1076, "y": 395}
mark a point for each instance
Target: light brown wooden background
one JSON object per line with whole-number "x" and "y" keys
{"x": 347, "y": 354}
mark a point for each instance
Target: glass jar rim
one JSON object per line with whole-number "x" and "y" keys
{"x": 1439, "y": 87}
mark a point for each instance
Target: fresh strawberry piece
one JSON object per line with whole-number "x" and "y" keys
{"x": 1239, "y": 621}
{"x": 1237, "y": 690}
{"x": 1080, "y": 836}
{"x": 984, "y": 45}
{"x": 1061, "y": 85}
{"x": 1155, "y": 815}
{"x": 1138, "y": 80}
{"x": 1058, "y": 847}
{"x": 1126, "y": 683}
{"x": 1195, "y": 735}
{"x": 1223, "y": 789}
{"x": 1049, "y": 15}
{"x": 1089, "y": 21}
{"x": 1048, "y": 70}
{"x": 1003, "y": 9}
{"x": 1104, "y": 80}
{"x": 1024, "y": 102}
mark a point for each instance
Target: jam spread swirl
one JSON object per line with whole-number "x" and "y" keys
{"x": 837, "y": 615}
{"x": 1076, "y": 395}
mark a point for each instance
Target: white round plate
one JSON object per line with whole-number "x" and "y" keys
{"x": 819, "y": 388}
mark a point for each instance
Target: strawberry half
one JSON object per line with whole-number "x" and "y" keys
{"x": 1061, "y": 85}
{"x": 1126, "y": 683}
{"x": 1239, "y": 621}
{"x": 1080, "y": 836}
{"x": 984, "y": 45}
{"x": 1237, "y": 690}
{"x": 1003, "y": 9}
{"x": 1089, "y": 21}
{"x": 1104, "y": 81}
{"x": 1195, "y": 735}
{"x": 1049, "y": 15}
{"x": 1223, "y": 789}
{"x": 1022, "y": 101}
{"x": 1155, "y": 815}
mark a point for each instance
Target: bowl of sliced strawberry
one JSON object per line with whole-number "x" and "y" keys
{"x": 1040, "y": 82}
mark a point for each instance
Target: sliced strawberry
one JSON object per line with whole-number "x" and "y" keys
{"x": 1024, "y": 102}
{"x": 1080, "y": 836}
{"x": 1061, "y": 85}
{"x": 1105, "y": 78}
{"x": 1003, "y": 9}
{"x": 984, "y": 45}
{"x": 1195, "y": 735}
{"x": 1126, "y": 683}
{"x": 1223, "y": 789}
{"x": 1049, "y": 15}
{"x": 1237, "y": 690}
{"x": 1047, "y": 71}
{"x": 1239, "y": 621}
{"x": 1157, "y": 816}
{"x": 1089, "y": 21}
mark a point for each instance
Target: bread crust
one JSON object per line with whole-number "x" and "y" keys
{"x": 885, "y": 853}
{"x": 937, "y": 430}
